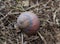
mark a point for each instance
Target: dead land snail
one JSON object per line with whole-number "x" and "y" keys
{"x": 28, "y": 22}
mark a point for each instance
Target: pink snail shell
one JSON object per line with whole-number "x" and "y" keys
{"x": 29, "y": 22}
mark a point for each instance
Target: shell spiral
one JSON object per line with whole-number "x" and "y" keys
{"x": 29, "y": 22}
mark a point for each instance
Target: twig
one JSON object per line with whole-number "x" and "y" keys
{"x": 9, "y": 13}
{"x": 10, "y": 41}
{"x": 22, "y": 38}
{"x": 54, "y": 14}
{"x": 42, "y": 37}
{"x": 5, "y": 42}
{"x": 6, "y": 15}
{"x": 32, "y": 6}
{"x": 38, "y": 5}
{"x": 21, "y": 8}
{"x": 47, "y": 3}
{"x": 17, "y": 41}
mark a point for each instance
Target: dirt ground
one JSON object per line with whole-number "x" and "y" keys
{"x": 48, "y": 12}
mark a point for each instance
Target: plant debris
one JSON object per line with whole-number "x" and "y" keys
{"x": 48, "y": 12}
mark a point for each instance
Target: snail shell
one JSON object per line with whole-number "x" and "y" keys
{"x": 29, "y": 22}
